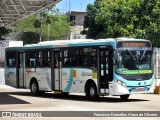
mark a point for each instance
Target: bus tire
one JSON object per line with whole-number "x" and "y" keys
{"x": 41, "y": 92}
{"x": 64, "y": 94}
{"x": 92, "y": 92}
{"x": 34, "y": 88}
{"x": 124, "y": 97}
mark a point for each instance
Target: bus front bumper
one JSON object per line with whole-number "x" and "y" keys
{"x": 118, "y": 89}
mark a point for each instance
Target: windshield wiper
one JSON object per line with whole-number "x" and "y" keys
{"x": 143, "y": 54}
{"x": 131, "y": 54}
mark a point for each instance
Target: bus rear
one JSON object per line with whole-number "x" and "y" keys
{"x": 133, "y": 67}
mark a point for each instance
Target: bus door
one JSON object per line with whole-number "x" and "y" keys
{"x": 20, "y": 70}
{"x": 57, "y": 66}
{"x": 105, "y": 69}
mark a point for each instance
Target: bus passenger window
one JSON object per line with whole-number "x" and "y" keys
{"x": 89, "y": 57}
{"x": 67, "y": 63}
{"x": 12, "y": 62}
{"x": 43, "y": 58}
{"x": 32, "y": 62}
{"x": 31, "y": 59}
{"x": 70, "y": 57}
{"x": 11, "y": 59}
{"x": 93, "y": 58}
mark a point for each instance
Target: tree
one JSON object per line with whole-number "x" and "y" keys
{"x": 29, "y": 37}
{"x": 90, "y": 23}
{"x": 26, "y": 25}
{"x": 58, "y": 27}
{"x": 3, "y": 32}
{"x": 54, "y": 26}
{"x": 131, "y": 18}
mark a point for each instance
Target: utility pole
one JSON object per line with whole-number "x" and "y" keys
{"x": 40, "y": 38}
{"x": 69, "y": 18}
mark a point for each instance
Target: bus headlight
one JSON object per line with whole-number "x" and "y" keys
{"x": 121, "y": 83}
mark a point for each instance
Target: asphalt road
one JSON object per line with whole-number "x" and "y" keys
{"x": 21, "y": 100}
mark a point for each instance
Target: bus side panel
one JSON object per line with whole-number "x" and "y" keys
{"x": 74, "y": 79}
{"x": 67, "y": 79}
{"x": 45, "y": 82}
{"x": 80, "y": 78}
{"x": 30, "y": 74}
{"x": 10, "y": 77}
{"x": 43, "y": 77}
{"x": 57, "y": 79}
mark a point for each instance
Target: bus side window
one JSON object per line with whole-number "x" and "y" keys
{"x": 88, "y": 57}
{"x": 93, "y": 57}
{"x": 11, "y": 59}
{"x": 27, "y": 62}
{"x": 66, "y": 59}
{"x": 31, "y": 59}
{"x": 44, "y": 58}
{"x": 70, "y": 57}
{"x": 32, "y": 62}
{"x": 12, "y": 62}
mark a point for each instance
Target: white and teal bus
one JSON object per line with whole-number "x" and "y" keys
{"x": 117, "y": 67}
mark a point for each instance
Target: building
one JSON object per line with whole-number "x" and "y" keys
{"x": 76, "y": 18}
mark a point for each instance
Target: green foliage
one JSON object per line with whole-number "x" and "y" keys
{"x": 54, "y": 26}
{"x": 131, "y": 18}
{"x": 84, "y": 32}
{"x": 26, "y": 25}
{"x": 37, "y": 24}
{"x": 58, "y": 28}
{"x": 90, "y": 23}
{"x": 29, "y": 37}
{"x": 3, "y": 32}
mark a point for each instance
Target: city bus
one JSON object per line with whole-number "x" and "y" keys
{"x": 115, "y": 67}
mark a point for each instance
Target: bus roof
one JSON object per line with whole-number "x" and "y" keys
{"x": 66, "y": 43}
{"x": 73, "y": 43}
{"x": 60, "y": 42}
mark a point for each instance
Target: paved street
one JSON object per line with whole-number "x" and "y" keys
{"x": 12, "y": 99}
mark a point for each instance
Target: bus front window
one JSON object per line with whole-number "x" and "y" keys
{"x": 134, "y": 62}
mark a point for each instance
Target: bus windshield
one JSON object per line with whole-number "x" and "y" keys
{"x": 134, "y": 62}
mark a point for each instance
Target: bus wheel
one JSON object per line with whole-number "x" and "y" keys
{"x": 124, "y": 97}
{"x": 92, "y": 93}
{"x": 65, "y": 94}
{"x": 34, "y": 88}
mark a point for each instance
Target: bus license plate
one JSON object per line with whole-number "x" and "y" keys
{"x": 139, "y": 89}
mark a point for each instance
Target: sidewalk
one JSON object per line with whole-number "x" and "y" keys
{"x": 6, "y": 88}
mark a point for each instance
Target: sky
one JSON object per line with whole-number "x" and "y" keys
{"x": 75, "y": 5}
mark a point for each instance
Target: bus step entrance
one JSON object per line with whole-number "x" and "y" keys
{"x": 57, "y": 92}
